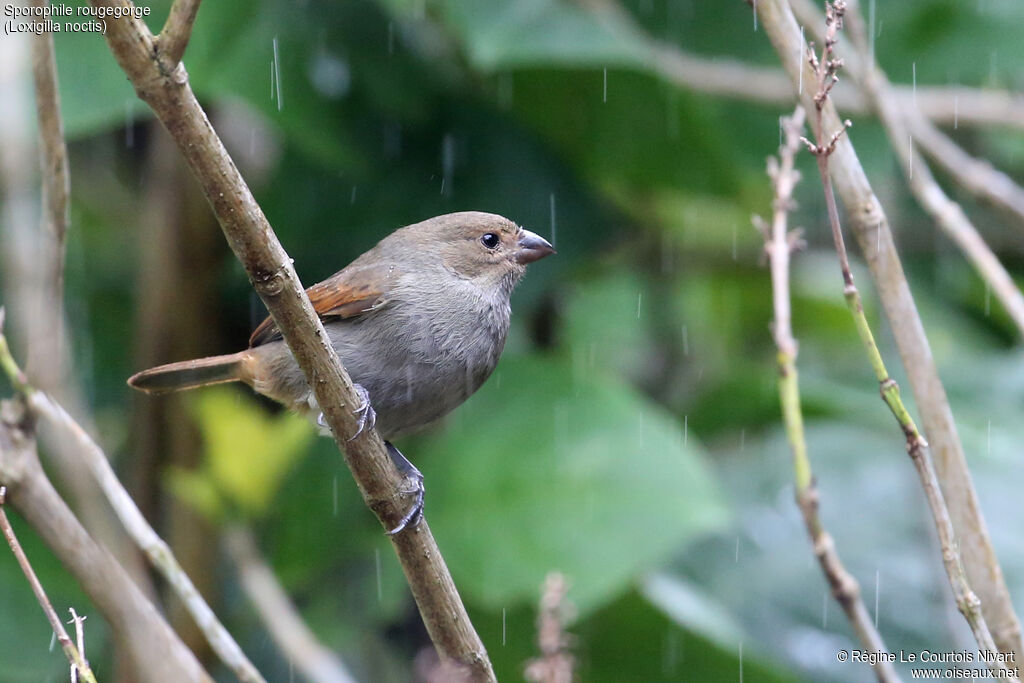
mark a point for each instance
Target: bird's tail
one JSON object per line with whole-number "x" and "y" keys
{"x": 190, "y": 374}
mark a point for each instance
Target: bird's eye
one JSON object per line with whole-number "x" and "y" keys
{"x": 490, "y": 240}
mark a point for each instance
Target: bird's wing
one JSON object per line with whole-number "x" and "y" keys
{"x": 351, "y": 292}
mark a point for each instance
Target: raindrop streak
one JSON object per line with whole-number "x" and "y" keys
{"x": 129, "y": 124}
{"x": 910, "y": 139}
{"x": 956, "y": 111}
{"x": 554, "y": 242}
{"x": 686, "y": 342}
{"x": 53, "y": 641}
{"x": 380, "y": 586}
{"x": 605, "y": 86}
{"x": 686, "y": 428}
{"x": 988, "y": 298}
{"x": 754, "y": 5}
{"x": 277, "y": 75}
{"x": 639, "y": 301}
{"x": 871, "y": 34}
{"x": 800, "y": 89}
{"x": 334, "y": 492}
{"x": 447, "y": 163}
{"x": 503, "y": 627}
{"x": 877, "y": 584}
{"x": 391, "y": 37}
{"x": 737, "y": 558}
{"x": 352, "y": 199}
{"x": 913, "y": 76}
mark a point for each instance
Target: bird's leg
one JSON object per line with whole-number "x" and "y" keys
{"x": 365, "y": 412}
{"x": 415, "y": 514}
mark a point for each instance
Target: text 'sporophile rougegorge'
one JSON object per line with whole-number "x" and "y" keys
{"x": 59, "y": 18}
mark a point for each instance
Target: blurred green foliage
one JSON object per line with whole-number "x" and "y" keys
{"x": 630, "y": 437}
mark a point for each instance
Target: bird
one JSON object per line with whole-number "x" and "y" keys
{"x": 419, "y": 322}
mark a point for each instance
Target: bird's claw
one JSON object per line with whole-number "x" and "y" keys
{"x": 367, "y": 415}
{"x": 414, "y": 516}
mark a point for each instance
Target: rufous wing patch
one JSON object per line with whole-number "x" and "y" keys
{"x": 346, "y": 294}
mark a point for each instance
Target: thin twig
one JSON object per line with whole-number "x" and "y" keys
{"x": 825, "y": 68}
{"x": 944, "y": 211}
{"x": 979, "y": 559}
{"x": 271, "y": 272}
{"x": 177, "y": 30}
{"x": 47, "y": 354}
{"x": 155, "y": 651}
{"x": 73, "y": 654}
{"x": 556, "y": 662}
{"x": 280, "y": 617}
{"x": 79, "y": 622}
{"x": 871, "y": 228}
{"x": 739, "y": 80}
{"x": 779, "y": 244}
{"x": 134, "y": 523}
{"x": 978, "y": 176}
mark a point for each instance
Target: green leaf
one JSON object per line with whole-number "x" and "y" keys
{"x": 553, "y": 469}
{"x": 198, "y": 489}
{"x": 501, "y": 34}
{"x": 248, "y": 452}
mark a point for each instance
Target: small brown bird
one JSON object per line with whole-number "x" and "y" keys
{"x": 419, "y": 321}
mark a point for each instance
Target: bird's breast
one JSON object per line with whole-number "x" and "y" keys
{"x": 419, "y": 362}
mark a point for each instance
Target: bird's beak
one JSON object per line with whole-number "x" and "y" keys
{"x": 532, "y": 247}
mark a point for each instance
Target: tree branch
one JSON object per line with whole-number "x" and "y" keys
{"x": 899, "y": 125}
{"x": 977, "y": 176}
{"x": 86, "y": 450}
{"x": 824, "y": 70}
{"x": 871, "y": 227}
{"x": 48, "y": 357}
{"x": 872, "y": 230}
{"x": 291, "y": 634}
{"x": 174, "y": 36}
{"x": 75, "y": 655}
{"x": 156, "y": 652}
{"x": 779, "y": 245}
{"x": 946, "y": 105}
{"x": 274, "y": 279}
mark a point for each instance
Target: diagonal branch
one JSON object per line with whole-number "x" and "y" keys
{"x": 74, "y": 654}
{"x": 824, "y": 71}
{"x": 977, "y": 176}
{"x": 177, "y": 30}
{"x": 271, "y": 272}
{"x": 979, "y": 559}
{"x": 155, "y": 651}
{"x": 899, "y": 122}
{"x": 779, "y": 244}
{"x": 725, "y": 77}
{"x": 159, "y": 554}
{"x": 871, "y": 227}
{"x": 315, "y": 662}
{"x": 49, "y": 357}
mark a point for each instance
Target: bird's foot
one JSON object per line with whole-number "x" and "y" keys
{"x": 367, "y": 415}
{"x": 414, "y": 515}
